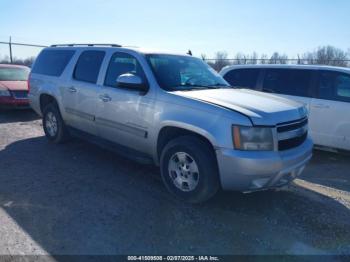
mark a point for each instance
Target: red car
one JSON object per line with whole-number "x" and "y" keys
{"x": 14, "y": 86}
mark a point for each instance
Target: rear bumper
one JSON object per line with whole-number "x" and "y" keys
{"x": 11, "y": 102}
{"x": 34, "y": 103}
{"x": 252, "y": 171}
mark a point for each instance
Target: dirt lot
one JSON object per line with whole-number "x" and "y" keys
{"x": 79, "y": 199}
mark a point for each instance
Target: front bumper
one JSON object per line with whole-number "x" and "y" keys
{"x": 251, "y": 171}
{"x": 11, "y": 102}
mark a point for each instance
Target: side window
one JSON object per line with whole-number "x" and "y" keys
{"x": 122, "y": 63}
{"x": 294, "y": 82}
{"x": 334, "y": 86}
{"x": 325, "y": 85}
{"x": 243, "y": 77}
{"x": 52, "y": 62}
{"x": 88, "y": 66}
{"x": 275, "y": 81}
{"x": 300, "y": 82}
{"x": 342, "y": 87}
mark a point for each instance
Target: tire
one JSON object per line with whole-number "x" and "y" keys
{"x": 53, "y": 124}
{"x": 177, "y": 161}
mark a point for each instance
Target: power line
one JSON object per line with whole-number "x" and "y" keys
{"x": 10, "y": 44}
{"x": 23, "y": 44}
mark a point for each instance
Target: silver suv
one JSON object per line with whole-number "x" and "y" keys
{"x": 173, "y": 111}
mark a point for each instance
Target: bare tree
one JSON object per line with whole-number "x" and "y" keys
{"x": 254, "y": 58}
{"x": 327, "y": 55}
{"x": 29, "y": 61}
{"x": 5, "y": 60}
{"x": 240, "y": 59}
{"x": 220, "y": 60}
{"x": 277, "y": 58}
{"x": 18, "y": 61}
{"x": 264, "y": 59}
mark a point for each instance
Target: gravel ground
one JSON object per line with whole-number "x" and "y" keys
{"x": 79, "y": 199}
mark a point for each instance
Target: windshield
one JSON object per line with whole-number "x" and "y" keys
{"x": 175, "y": 73}
{"x": 13, "y": 74}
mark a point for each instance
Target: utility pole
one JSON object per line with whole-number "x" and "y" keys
{"x": 10, "y": 46}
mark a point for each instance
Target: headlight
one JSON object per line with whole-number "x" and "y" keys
{"x": 252, "y": 138}
{"x": 5, "y": 93}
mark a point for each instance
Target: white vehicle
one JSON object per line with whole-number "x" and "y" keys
{"x": 324, "y": 89}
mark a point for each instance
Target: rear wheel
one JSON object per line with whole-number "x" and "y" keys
{"x": 189, "y": 169}
{"x": 54, "y": 127}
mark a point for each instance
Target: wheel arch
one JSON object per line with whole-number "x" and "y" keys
{"x": 170, "y": 132}
{"x": 46, "y": 99}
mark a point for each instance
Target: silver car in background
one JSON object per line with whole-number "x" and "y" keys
{"x": 173, "y": 111}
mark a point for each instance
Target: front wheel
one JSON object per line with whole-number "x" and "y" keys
{"x": 189, "y": 169}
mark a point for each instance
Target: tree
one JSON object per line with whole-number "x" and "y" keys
{"x": 220, "y": 60}
{"x": 5, "y": 60}
{"x": 276, "y": 58}
{"x": 264, "y": 59}
{"x": 18, "y": 61}
{"x": 327, "y": 55}
{"x": 240, "y": 59}
{"x": 254, "y": 58}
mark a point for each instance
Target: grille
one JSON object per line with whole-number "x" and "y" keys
{"x": 20, "y": 94}
{"x": 292, "y": 134}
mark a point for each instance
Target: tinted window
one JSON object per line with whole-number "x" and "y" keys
{"x": 243, "y": 77}
{"x": 13, "y": 74}
{"x": 288, "y": 81}
{"x": 88, "y": 66}
{"x": 334, "y": 86}
{"x": 342, "y": 86}
{"x": 325, "y": 85}
{"x": 122, "y": 63}
{"x": 52, "y": 62}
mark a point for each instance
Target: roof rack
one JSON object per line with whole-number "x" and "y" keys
{"x": 112, "y": 45}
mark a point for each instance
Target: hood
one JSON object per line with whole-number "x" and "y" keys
{"x": 14, "y": 85}
{"x": 261, "y": 108}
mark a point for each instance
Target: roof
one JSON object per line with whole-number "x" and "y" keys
{"x": 116, "y": 47}
{"x": 12, "y": 66}
{"x": 276, "y": 66}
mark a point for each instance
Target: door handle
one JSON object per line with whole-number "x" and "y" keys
{"x": 105, "y": 98}
{"x": 72, "y": 89}
{"x": 321, "y": 106}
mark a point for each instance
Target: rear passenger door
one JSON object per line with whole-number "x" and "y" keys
{"x": 246, "y": 78}
{"x": 295, "y": 84}
{"x": 81, "y": 95}
{"x": 329, "y": 112}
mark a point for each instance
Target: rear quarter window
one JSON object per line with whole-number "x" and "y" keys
{"x": 88, "y": 66}
{"x": 52, "y": 62}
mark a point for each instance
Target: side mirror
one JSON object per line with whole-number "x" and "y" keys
{"x": 131, "y": 81}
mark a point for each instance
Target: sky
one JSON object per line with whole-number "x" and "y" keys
{"x": 204, "y": 26}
